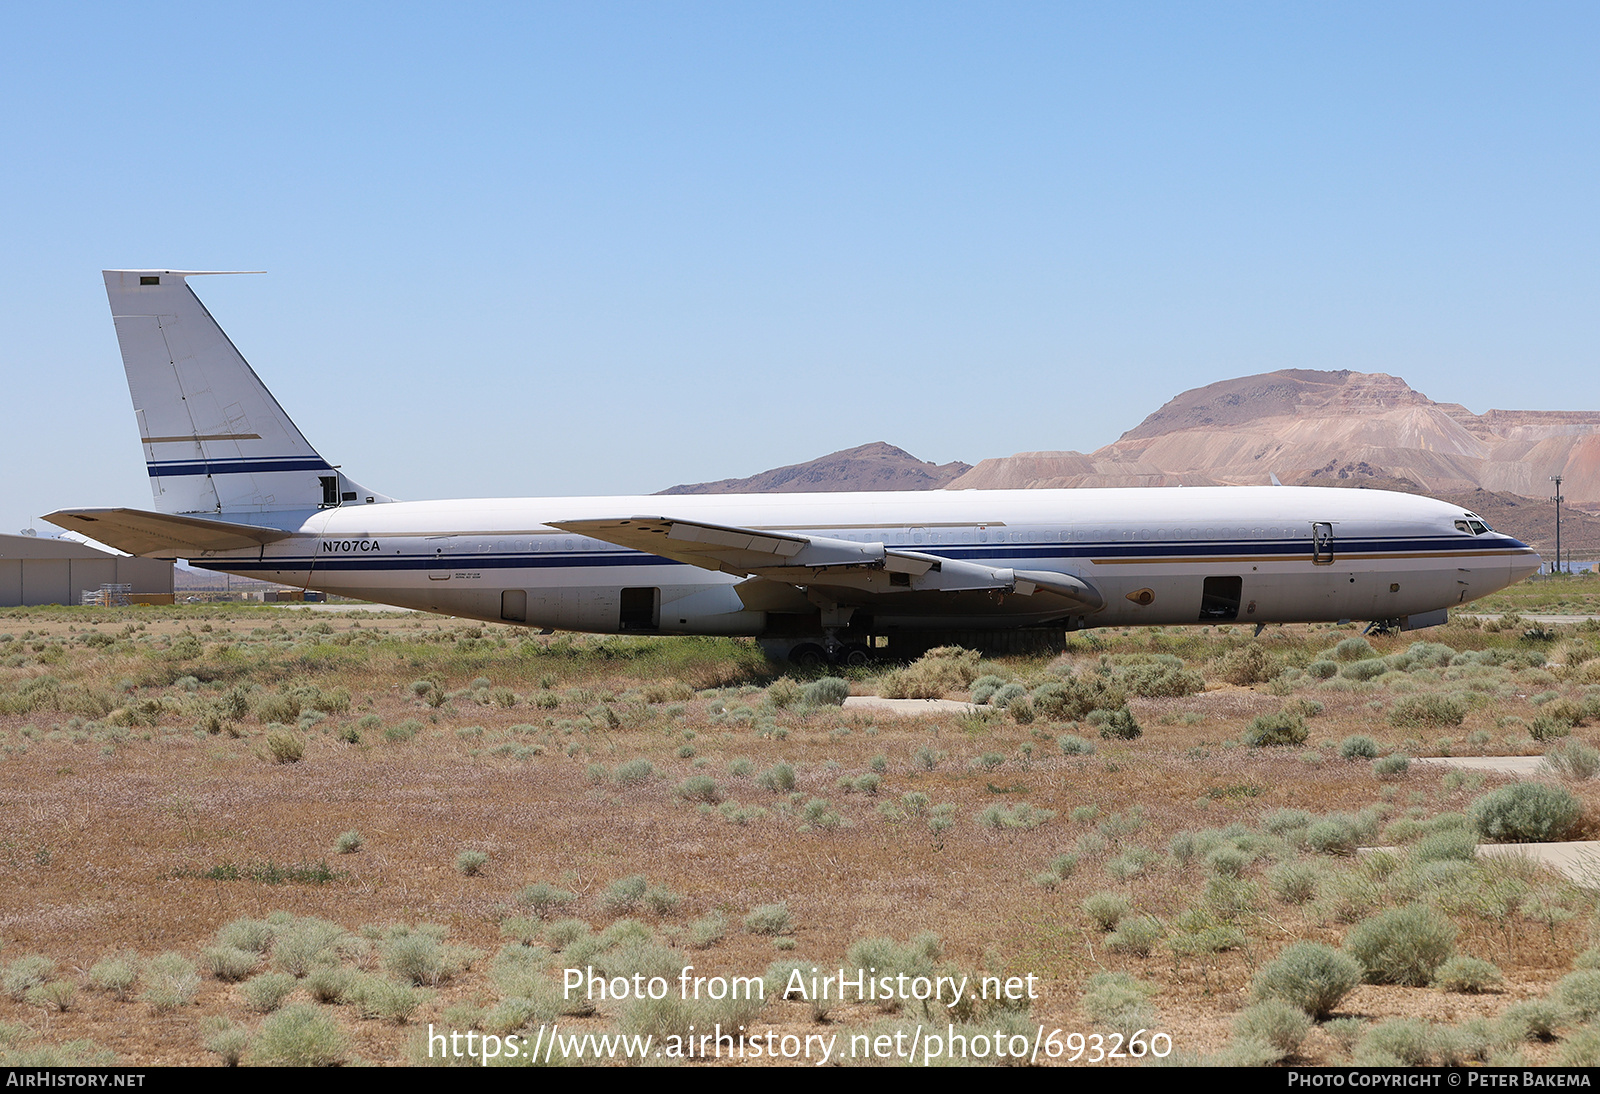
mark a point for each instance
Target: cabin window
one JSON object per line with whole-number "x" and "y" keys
{"x": 1219, "y": 599}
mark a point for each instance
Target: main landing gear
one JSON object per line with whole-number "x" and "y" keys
{"x": 811, "y": 655}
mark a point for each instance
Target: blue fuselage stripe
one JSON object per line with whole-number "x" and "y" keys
{"x": 175, "y": 468}
{"x": 1214, "y": 553}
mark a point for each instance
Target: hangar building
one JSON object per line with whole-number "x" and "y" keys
{"x": 60, "y": 571}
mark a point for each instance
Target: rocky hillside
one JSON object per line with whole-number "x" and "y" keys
{"x": 1306, "y": 427}
{"x": 876, "y": 466}
{"x": 1325, "y": 428}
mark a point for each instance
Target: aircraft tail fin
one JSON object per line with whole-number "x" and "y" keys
{"x": 215, "y": 440}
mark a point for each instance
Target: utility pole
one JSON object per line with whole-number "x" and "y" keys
{"x": 1557, "y": 480}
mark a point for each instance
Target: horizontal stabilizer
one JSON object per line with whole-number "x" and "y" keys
{"x": 163, "y": 535}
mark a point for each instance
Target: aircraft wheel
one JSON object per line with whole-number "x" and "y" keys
{"x": 808, "y": 655}
{"x": 856, "y": 656}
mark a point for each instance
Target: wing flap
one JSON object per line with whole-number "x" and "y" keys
{"x": 163, "y": 535}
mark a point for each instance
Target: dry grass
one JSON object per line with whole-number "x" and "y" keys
{"x": 133, "y": 767}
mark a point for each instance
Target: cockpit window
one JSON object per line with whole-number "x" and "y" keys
{"x": 1479, "y": 528}
{"x": 1463, "y": 526}
{"x": 1472, "y": 526}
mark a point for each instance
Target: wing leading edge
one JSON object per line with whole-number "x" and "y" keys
{"x": 836, "y": 566}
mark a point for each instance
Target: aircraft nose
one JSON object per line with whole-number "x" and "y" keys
{"x": 1523, "y": 564}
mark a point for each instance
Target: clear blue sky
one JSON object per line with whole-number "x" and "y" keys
{"x": 581, "y": 248}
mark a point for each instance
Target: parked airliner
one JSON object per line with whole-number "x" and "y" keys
{"x": 238, "y": 489}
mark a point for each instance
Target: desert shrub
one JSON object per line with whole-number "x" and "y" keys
{"x": 1364, "y": 670}
{"x": 1572, "y": 759}
{"x": 1106, "y": 909}
{"x": 1354, "y": 649}
{"x": 1392, "y": 766}
{"x": 305, "y": 943}
{"x": 779, "y": 778}
{"x": 1274, "y": 1022}
{"x": 1075, "y": 698}
{"x": 1334, "y": 835}
{"x": 1358, "y": 747}
{"x": 564, "y": 932}
{"x": 1322, "y": 670}
{"x": 1579, "y": 993}
{"x": 1403, "y": 945}
{"x": 700, "y": 788}
{"x": 1546, "y": 728}
{"x": 1119, "y": 1001}
{"x": 1526, "y": 813}
{"x": 541, "y": 898}
{"x": 1137, "y": 935}
{"x": 1422, "y": 655}
{"x": 1228, "y": 860}
{"x": 1581, "y": 1049}
{"x": 170, "y": 982}
{"x": 830, "y": 691}
{"x": 348, "y": 843}
{"x": 298, "y": 1036}
{"x": 1282, "y": 728}
{"x": 1073, "y": 745}
{"x": 1470, "y": 975}
{"x": 404, "y": 731}
{"x": 1404, "y": 1042}
{"x": 1006, "y": 694}
{"x": 1448, "y": 845}
{"x": 277, "y": 708}
{"x": 1116, "y": 725}
{"x": 1251, "y": 664}
{"x": 377, "y": 997}
{"x": 1532, "y": 1020}
{"x": 1022, "y": 815}
{"x": 933, "y": 675}
{"x": 1429, "y": 711}
{"x": 1293, "y": 882}
{"x": 114, "y": 975}
{"x": 1166, "y": 678}
{"x": 266, "y": 993}
{"x": 624, "y": 894}
{"x": 784, "y": 692}
{"x": 660, "y": 900}
{"x": 471, "y": 863}
{"x": 634, "y": 772}
{"x": 230, "y": 962}
{"x": 769, "y": 919}
{"x": 984, "y": 687}
{"x": 708, "y": 930}
{"x": 1309, "y": 975}
{"x": 330, "y": 984}
{"x": 25, "y": 973}
{"x": 285, "y": 747}
{"x": 225, "y": 1040}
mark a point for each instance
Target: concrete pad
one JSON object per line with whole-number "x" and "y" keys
{"x": 1579, "y": 861}
{"x": 1540, "y": 618}
{"x": 1520, "y": 766}
{"x": 908, "y": 706}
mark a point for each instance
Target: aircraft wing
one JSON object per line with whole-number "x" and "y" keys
{"x": 837, "y": 566}
{"x": 163, "y": 535}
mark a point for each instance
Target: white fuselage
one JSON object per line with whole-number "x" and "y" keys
{"x": 1156, "y": 556}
